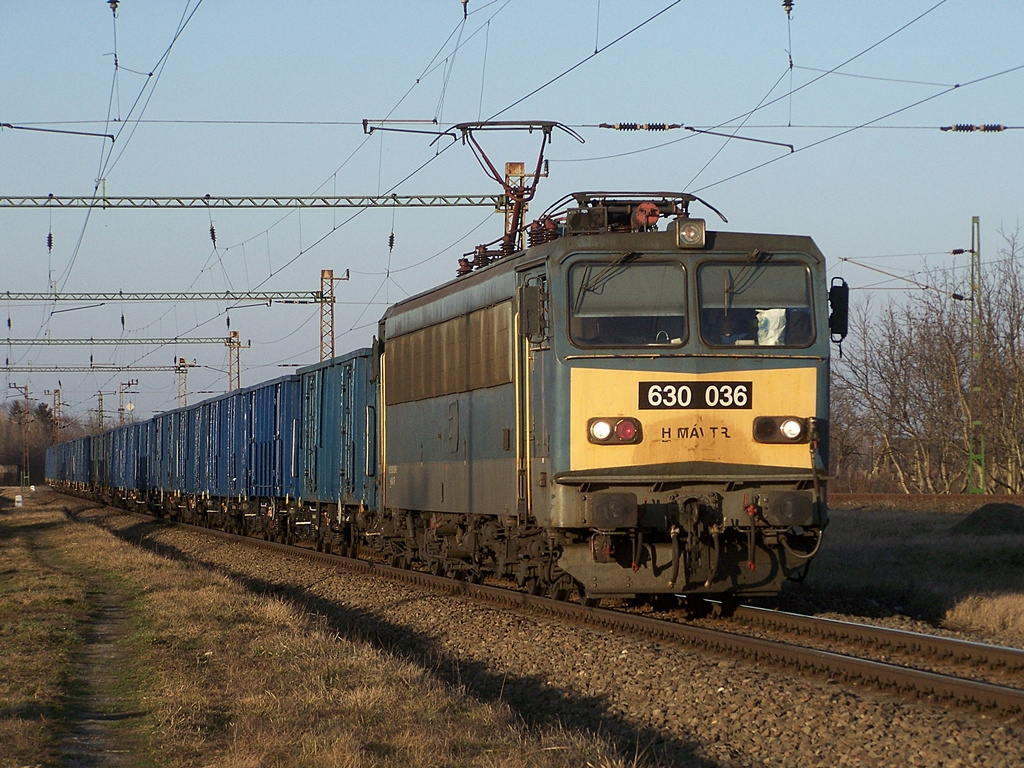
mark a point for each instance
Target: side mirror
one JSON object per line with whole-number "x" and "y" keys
{"x": 375, "y": 355}
{"x": 839, "y": 304}
{"x": 530, "y": 323}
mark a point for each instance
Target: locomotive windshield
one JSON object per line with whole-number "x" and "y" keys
{"x": 755, "y": 304}
{"x": 628, "y": 303}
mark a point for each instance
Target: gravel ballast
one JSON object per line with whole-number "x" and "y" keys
{"x": 673, "y": 706}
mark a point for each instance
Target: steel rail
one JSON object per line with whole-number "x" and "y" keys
{"x": 894, "y": 639}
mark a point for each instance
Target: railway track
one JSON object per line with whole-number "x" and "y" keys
{"x": 994, "y": 663}
{"x": 864, "y": 660}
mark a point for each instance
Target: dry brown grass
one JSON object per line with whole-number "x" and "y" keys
{"x": 236, "y": 680}
{"x": 926, "y": 564}
{"x": 39, "y": 613}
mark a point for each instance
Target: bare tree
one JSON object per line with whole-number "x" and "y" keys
{"x": 905, "y": 402}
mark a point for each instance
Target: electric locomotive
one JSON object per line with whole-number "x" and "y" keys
{"x": 633, "y": 405}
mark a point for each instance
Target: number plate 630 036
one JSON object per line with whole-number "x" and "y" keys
{"x": 665, "y": 395}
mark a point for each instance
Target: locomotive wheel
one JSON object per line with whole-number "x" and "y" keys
{"x": 561, "y": 588}
{"x": 727, "y": 607}
{"x": 586, "y": 602}
{"x": 534, "y": 586}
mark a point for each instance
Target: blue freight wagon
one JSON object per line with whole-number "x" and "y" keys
{"x": 99, "y": 462}
{"x": 273, "y": 414}
{"x": 338, "y": 461}
{"x": 124, "y": 457}
{"x": 68, "y": 464}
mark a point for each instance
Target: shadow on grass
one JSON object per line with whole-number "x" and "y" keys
{"x": 530, "y": 698}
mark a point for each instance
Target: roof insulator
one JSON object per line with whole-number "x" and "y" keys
{"x": 968, "y": 127}
{"x": 641, "y": 126}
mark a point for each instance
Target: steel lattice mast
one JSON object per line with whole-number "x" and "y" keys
{"x": 976, "y": 482}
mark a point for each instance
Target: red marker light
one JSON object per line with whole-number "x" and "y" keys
{"x": 625, "y": 430}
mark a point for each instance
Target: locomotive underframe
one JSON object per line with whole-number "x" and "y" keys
{"x": 710, "y": 538}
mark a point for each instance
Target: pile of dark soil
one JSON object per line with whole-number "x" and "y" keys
{"x": 939, "y": 503}
{"x": 995, "y": 519}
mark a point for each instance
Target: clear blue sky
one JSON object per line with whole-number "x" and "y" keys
{"x": 260, "y": 98}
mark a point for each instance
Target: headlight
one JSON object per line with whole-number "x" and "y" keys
{"x": 792, "y": 429}
{"x": 615, "y": 430}
{"x": 600, "y": 430}
{"x": 690, "y": 233}
{"x": 780, "y": 429}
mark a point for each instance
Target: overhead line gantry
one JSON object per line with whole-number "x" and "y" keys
{"x": 112, "y": 342}
{"x": 98, "y": 368}
{"x": 497, "y": 202}
{"x": 284, "y": 297}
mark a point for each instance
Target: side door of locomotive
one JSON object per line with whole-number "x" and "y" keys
{"x": 534, "y": 377}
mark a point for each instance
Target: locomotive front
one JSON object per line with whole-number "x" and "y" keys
{"x": 677, "y": 394}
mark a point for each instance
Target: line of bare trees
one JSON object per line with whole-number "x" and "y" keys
{"x": 23, "y": 426}
{"x": 912, "y": 387}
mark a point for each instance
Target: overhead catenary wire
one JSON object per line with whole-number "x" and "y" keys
{"x": 105, "y": 161}
{"x": 303, "y": 250}
{"x": 270, "y": 266}
{"x": 924, "y": 286}
{"x": 764, "y": 104}
{"x": 885, "y": 116}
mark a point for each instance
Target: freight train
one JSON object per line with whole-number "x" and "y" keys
{"x": 633, "y": 405}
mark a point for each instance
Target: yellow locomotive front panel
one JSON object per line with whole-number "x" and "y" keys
{"x": 684, "y": 418}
